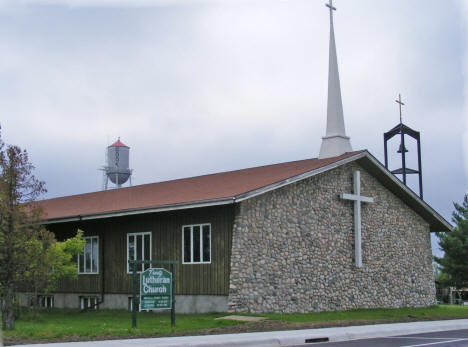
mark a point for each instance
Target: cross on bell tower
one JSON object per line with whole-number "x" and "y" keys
{"x": 401, "y": 103}
{"x": 402, "y": 130}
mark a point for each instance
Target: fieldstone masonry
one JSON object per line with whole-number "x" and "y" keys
{"x": 293, "y": 249}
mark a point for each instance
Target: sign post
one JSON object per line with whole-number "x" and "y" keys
{"x": 134, "y": 299}
{"x": 157, "y": 288}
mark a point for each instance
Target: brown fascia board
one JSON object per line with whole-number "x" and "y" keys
{"x": 365, "y": 159}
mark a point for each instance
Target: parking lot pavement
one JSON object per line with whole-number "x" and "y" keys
{"x": 452, "y": 338}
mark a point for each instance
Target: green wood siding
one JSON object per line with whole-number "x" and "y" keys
{"x": 166, "y": 228}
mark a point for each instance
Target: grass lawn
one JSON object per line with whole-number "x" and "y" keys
{"x": 59, "y": 323}
{"x": 73, "y": 325}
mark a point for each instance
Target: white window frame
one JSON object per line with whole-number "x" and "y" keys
{"x": 89, "y": 298}
{"x": 191, "y": 226}
{"x": 84, "y": 258}
{"x": 46, "y": 301}
{"x": 129, "y": 270}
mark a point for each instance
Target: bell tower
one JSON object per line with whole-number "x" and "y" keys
{"x": 402, "y": 130}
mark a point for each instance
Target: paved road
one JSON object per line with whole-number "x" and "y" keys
{"x": 453, "y": 338}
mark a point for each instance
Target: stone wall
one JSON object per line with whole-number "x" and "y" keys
{"x": 293, "y": 249}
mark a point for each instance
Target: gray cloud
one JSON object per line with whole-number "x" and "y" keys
{"x": 465, "y": 76}
{"x": 210, "y": 86}
{"x": 124, "y": 3}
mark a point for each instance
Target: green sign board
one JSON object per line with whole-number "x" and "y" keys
{"x": 155, "y": 289}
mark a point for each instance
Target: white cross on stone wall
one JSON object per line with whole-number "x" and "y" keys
{"x": 357, "y": 198}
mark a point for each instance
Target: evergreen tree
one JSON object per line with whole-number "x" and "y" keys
{"x": 454, "y": 263}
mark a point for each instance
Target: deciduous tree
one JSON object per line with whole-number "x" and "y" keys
{"x": 27, "y": 250}
{"x": 56, "y": 261}
{"x": 18, "y": 221}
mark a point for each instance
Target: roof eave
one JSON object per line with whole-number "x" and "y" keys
{"x": 121, "y": 213}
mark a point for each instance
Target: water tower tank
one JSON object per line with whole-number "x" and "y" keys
{"x": 118, "y": 170}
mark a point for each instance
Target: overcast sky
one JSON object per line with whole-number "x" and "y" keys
{"x": 203, "y": 86}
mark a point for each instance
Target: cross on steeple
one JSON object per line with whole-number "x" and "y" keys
{"x": 332, "y": 8}
{"x": 399, "y": 102}
{"x": 330, "y": 5}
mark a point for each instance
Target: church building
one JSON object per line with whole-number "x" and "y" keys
{"x": 332, "y": 233}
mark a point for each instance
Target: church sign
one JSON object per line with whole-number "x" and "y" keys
{"x": 155, "y": 289}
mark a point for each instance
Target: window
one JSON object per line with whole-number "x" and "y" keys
{"x": 89, "y": 302}
{"x": 196, "y": 244}
{"x": 46, "y": 301}
{"x": 138, "y": 248}
{"x": 88, "y": 262}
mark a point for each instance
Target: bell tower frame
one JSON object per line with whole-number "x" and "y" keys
{"x": 402, "y": 130}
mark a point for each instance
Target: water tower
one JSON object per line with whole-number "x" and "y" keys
{"x": 117, "y": 165}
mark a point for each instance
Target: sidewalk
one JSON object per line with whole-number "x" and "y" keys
{"x": 279, "y": 338}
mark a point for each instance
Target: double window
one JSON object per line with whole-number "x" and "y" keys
{"x": 88, "y": 262}
{"x": 196, "y": 244}
{"x": 138, "y": 248}
{"x": 89, "y": 302}
{"x": 46, "y": 301}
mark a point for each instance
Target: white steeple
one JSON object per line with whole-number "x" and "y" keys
{"x": 335, "y": 142}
